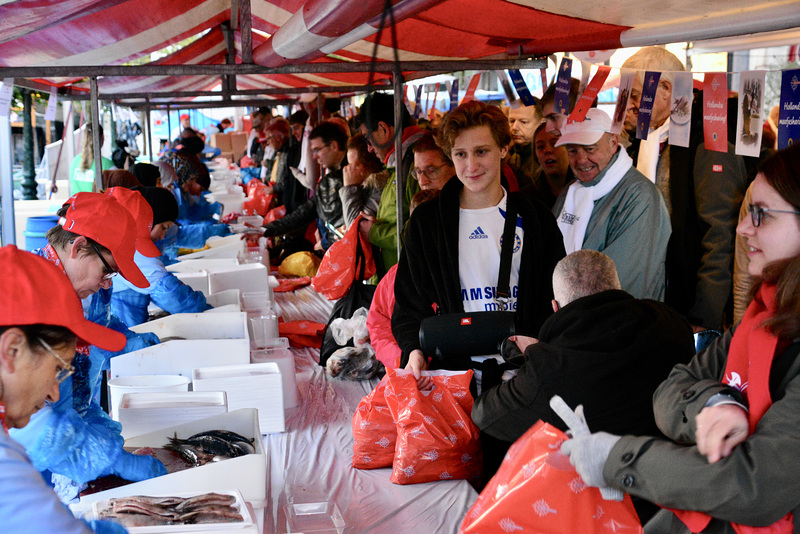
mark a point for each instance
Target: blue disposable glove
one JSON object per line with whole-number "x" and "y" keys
{"x": 102, "y": 526}
{"x": 95, "y": 415}
{"x": 173, "y": 296}
{"x": 135, "y": 468}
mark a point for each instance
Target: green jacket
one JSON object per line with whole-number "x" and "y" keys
{"x": 384, "y": 230}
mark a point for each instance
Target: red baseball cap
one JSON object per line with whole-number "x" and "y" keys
{"x": 37, "y": 292}
{"x": 104, "y": 220}
{"x": 184, "y": 116}
{"x": 142, "y": 214}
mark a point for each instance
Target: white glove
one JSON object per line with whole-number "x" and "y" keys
{"x": 587, "y": 452}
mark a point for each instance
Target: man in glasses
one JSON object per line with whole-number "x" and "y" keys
{"x": 432, "y": 168}
{"x": 95, "y": 240}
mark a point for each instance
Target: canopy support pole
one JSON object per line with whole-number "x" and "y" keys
{"x": 400, "y": 180}
{"x": 7, "y": 180}
{"x": 98, "y": 158}
{"x": 149, "y": 130}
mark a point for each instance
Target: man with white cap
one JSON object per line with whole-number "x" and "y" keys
{"x": 612, "y": 207}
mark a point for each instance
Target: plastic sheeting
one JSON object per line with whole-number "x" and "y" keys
{"x": 312, "y": 460}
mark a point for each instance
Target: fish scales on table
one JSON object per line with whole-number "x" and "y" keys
{"x": 142, "y": 510}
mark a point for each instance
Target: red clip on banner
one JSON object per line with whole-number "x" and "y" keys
{"x": 537, "y": 490}
{"x": 715, "y": 111}
{"x": 589, "y": 94}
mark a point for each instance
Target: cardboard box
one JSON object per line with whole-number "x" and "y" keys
{"x": 221, "y": 141}
{"x": 248, "y": 473}
{"x": 238, "y": 141}
{"x": 230, "y": 156}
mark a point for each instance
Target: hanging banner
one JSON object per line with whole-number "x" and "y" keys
{"x": 521, "y": 87}
{"x": 715, "y": 111}
{"x": 454, "y": 95}
{"x": 508, "y": 90}
{"x": 52, "y": 102}
{"x": 650, "y": 86}
{"x": 417, "y": 108}
{"x": 680, "y": 116}
{"x": 561, "y": 101}
{"x": 473, "y": 85}
{"x": 626, "y": 78}
{"x": 595, "y": 56}
{"x": 750, "y": 113}
{"x": 586, "y": 70}
{"x": 543, "y": 74}
{"x": 789, "y": 117}
{"x": 424, "y": 111}
{"x": 406, "y": 101}
{"x": 433, "y": 105}
{"x": 6, "y": 92}
{"x": 589, "y": 94}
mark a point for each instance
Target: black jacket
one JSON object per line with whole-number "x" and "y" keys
{"x": 607, "y": 351}
{"x": 427, "y": 272}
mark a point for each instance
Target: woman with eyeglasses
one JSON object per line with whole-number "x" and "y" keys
{"x": 733, "y": 412}
{"x": 73, "y": 438}
{"x": 40, "y": 321}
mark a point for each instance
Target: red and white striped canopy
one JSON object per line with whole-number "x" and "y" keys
{"x": 113, "y": 32}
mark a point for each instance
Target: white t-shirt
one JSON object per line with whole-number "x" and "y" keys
{"x": 480, "y": 232}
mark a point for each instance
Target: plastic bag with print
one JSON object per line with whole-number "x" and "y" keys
{"x": 436, "y": 438}
{"x": 537, "y": 490}
{"x": 374, "y": 431}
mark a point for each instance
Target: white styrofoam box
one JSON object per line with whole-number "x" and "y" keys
{"x": 219, "y": 241}
{"x": 141, "y": 413}
{"x": 193, "y": 266}
{"x": 231, "y": 203}
{"x": 257, "y": 385}
{"x": 117, "y": 387}
{"x": 279, "y": 353}
{"x": 253, "y": 220}
{"x": 246, "y": 473}
{"x": 231, "y": 250}
{"x": 181, "y": 357}
{"x": 231, "y": 325}
{"x": 224, "y": 309}
{"x": 197, "y": 280}
{"x": 246, "y": 277}
{"x": 225, "y": 298}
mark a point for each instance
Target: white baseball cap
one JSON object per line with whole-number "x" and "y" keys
{"x": 587, "y": 132}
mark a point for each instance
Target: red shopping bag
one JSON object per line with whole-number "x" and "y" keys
{"x": 374, "y": 430}
{"x": 436, "y": 438}
{"x": 346, "y": 260}
{"x": 274, "y": 214}
{"x": 537, "y": 490}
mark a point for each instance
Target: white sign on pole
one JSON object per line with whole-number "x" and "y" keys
{"x": 52, "y": 102}
{"x": 6, "y": 91}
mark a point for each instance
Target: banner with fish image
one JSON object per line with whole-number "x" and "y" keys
{"x": 789, "y": 117}
{"x": 715, "y": 111}
{"x": 680, "y": 115}
{"x": 750, "y": 112}
{"x": 649, "y": 88}
{"x": 623, "y": 96}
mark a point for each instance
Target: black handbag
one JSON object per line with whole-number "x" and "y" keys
{"x": 359, "y": 296}
{"x": 458, "y": 336}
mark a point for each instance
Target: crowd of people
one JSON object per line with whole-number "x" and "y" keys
{"x": 610, "y": 252}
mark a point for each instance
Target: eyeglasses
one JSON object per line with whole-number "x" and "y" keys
{"x": 317, "y": 150}
{"x": 757, "y": 213}
{"x": 63, "y": 372}
{"x": 430, "y": 172}
{"x": 110, "y": 273}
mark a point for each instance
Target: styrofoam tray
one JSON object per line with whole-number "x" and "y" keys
{"x": 225, "y": 298}
{"x": 141, "y": 413}
{"x": 232, "y": 325}
{"x": 239, "y": 504}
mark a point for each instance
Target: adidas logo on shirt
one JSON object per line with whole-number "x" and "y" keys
{"x": 478, "y": 233}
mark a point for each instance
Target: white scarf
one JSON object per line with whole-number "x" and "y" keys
{"x": 650, "y": 151}
{"x": 579, "y": 202}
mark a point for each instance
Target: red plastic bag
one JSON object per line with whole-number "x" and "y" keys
{"x": 536, "y": 489}
{"x": 274, "y": 214}
{"x": 374, "y": 430}
{"x": 436, "y": 438}
{"x": 340, "y": 266}
{"x": 302, "y": 333}
{"x": 258, "y": 205}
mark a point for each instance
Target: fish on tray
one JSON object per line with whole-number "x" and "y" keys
{"x": 211, "y": 446}
{"x": 142, "y": 510}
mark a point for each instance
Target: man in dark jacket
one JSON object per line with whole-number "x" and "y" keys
{"x": 603, "y": 349}
{"x": 327, "y": 144}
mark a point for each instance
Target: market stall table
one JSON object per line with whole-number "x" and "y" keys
{"x": 312, "y": 461}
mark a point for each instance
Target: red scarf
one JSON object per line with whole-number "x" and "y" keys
{"x": 3, "y": 417}
{"x": 751, "y": 377}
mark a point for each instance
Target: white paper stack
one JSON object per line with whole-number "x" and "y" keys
{"x": 256, "y": 385}
{"x": 141, "y": 413}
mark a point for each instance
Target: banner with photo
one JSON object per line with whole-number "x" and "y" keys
{"x": 623, "y": 96}
{"x": 789, "y": 117}
{"x": 649, "y": 88}
{"x": 715, "y": 111}
{"x": 750, "y": 113}
{"x": 680, "y": 115}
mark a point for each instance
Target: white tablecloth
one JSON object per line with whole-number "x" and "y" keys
{"x": 312, "y": 460}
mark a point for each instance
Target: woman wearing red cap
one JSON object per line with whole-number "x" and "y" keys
{"x": 40, "y": 321}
